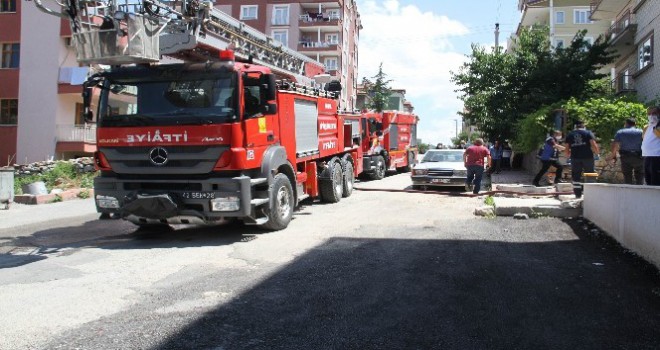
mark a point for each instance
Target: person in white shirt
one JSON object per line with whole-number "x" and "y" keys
{"x": 651, "y": 148}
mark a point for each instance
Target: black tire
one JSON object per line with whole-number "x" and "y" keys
{"x": 349, "y": 179}
{"x": 280, "y": 209}
{"x": 332, "y": 185}
{"x": 379, "y": 172}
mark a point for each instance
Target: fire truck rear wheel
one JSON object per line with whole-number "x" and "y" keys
{"x": 281, "y": 204}
{"x": 333, "y": 185}
{"x": 349, "y": 179}
{"x": 379, "y": 172}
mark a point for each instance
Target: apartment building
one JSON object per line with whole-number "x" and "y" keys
{"x": 326, "y": 31}
{"x": 40, "y": 103}
{"x": 564, "y": 18}
{"x": 632, "y": 25}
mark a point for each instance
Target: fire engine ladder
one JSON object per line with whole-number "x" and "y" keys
{"x": 116, "y": 32}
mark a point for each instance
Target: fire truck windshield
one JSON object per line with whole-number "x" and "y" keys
{"x": 173, "y": 102}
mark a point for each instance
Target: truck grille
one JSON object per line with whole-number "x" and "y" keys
{"x": 441, "y": 172}
{"x": 180, "y": 159}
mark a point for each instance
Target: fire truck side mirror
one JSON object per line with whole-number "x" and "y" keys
{"x": 269, "y": 108}
{"x": 268, "y": 87}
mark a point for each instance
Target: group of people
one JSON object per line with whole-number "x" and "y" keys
{"x": 639, "y": 152}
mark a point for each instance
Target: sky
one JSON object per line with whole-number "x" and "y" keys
{"x": 420, "y": 42}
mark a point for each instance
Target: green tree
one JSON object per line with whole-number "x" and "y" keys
{"x": 500, "y": 89}
{"x": 604, "y": 116}
{"x": 378, "y": 90}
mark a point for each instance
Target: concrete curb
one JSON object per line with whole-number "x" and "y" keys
{"x": 52, "y": 197}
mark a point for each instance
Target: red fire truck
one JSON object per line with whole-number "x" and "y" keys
{"x": 389, "y": 142}
{"x": 201, "y": 142}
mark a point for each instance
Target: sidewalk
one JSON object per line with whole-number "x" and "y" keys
{"x": 21, "y": 214}
{"x": 513, "y": 177}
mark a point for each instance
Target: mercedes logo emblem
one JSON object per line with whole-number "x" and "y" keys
{"x": 158, "y": 156}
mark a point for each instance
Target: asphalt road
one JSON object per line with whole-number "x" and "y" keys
{"x": 378, "y": 270}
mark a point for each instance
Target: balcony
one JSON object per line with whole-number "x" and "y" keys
{"x": 76, "y": 138}
{"x": 623, "y": 83}
{"x": 607, "y": 9}
{"x": 622, "y": 34}
{"x": 312, "y": 19}
{"x": 318, "y": 47}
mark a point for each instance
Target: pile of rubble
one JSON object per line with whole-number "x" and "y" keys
{"x": 82, "y": 165}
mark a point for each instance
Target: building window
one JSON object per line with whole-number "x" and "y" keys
{"x": 331, "y": 63}
{"x": 559, "y": 17}
{"x": 8, "y": 112}
{"x": 333, "y": 14}
{"x": 559, "y": 43}
{"x": 646, "y": 52}
{"x": 332, "y": 39}
{"x": 581, "y": 17}
{"x": 249, "y": 12}
{"x": 281, "y": 15}
{"x": 10, "y": 56}
{"x": 7, "y": 5}
{"x": 281, "y": 36}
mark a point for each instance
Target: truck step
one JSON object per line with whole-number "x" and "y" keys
{"x": 258, "y": 181}
{"x": 259, "y": 201}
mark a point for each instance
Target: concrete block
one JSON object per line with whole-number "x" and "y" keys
{"x": 486, "y": 210}
{"x": 534, "y": 207}
{"x": 629, "y": 214}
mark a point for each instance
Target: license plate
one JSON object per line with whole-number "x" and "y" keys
{"x": 198, "y": 195}
{"x": 441, "y": 181}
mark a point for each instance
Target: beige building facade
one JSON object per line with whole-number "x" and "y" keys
{"x": 564, "y": 18}
{"x": 631, "y": 29}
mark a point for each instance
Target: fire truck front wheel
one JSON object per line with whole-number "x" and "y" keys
{"x": 281, "y": 205}
{"x": 380, "y": 167}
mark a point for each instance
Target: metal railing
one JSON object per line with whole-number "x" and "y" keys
{"x": 76, "y": 133}
{"x": 594, "y": 5}
{"x": 319, "y": 17}
{"x": 319, "y": 45}
{"x": 621, "y": 24}
{"x": 623, "y": 82}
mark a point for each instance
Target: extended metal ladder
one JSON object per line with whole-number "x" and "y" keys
{"x": 116, "y": 32}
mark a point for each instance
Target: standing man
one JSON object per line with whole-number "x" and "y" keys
{"x": 651, "y": 148}
{"x": 581, "y": 149}
{"x": 549, "y": 158}
{"x": 628, "y": 142}
{"x": 473, "y": 158}
{"x": 496, "y": 155}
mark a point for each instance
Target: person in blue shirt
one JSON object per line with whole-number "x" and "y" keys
{"x": 628, "y": 142}
{"x": 496, "y": 155}
{"x": 581, "y": 149}
{"x": 549, "y": 157}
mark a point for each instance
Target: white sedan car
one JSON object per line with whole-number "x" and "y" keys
{"x": 442, "y": 168}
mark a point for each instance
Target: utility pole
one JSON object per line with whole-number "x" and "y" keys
{"x": 497, "y": 37}
{"x": 456, "y": 121}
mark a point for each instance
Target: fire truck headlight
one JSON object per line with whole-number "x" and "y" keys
{"x": 225, "y": 204}
{"x": 420, "y": 171}
{"x": 107, "y": 202}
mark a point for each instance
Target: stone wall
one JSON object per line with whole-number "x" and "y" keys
{"x": 82, "y": 165}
